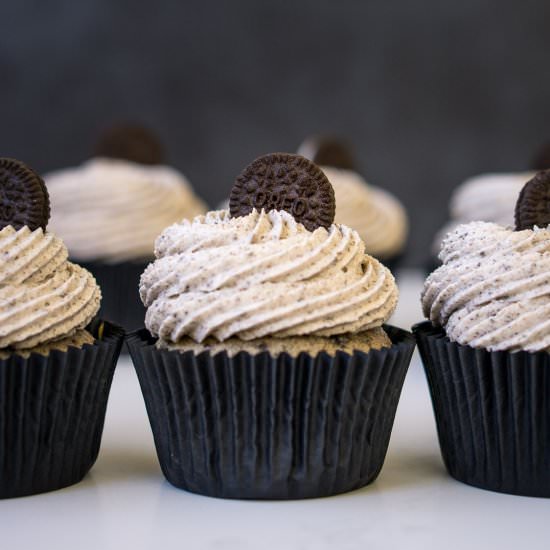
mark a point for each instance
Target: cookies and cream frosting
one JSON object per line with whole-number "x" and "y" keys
{"x": 487, "y": 197}
{"x": 43, "y": 297}
{"x": 378, "y": 216}
{"x": 493, "y": 289}
{"x": 112, "y": 210}
{"x": 262, "y": 275}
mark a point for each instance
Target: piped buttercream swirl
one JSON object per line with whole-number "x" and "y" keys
{"x": 493, "y": 289}
{"x": 262, "y": 275}
{"x": 43, "y": 297}
{"x": 112, "y": 210}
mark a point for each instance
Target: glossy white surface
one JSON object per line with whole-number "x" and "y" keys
{"x": 126, "y": 503}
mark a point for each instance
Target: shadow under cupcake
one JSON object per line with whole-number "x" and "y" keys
{"x": 265, "y": 367}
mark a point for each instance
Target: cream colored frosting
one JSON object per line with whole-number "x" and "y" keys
{"x": 487, "y": 197}
{"x": 112, "y": 210}
{"x": 43, "y": 297}
{"x": 262, "y": 275}
{"x": 493, "y": 289}
{"x": 378, "y": 216}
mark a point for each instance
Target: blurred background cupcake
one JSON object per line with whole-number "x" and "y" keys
{"x": 487, "y": 197}
{"x": 376, "y": 214}
{"x": 56, "y": 358}
{"x": 110, "y": 209}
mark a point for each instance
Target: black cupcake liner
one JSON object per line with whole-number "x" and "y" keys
{"x": 52, "y": 410}
{"x": 492, "y": 411}
{"x": 119, "y": 283}
{"x": 263, "y": 427}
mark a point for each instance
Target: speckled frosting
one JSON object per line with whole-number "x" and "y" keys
{"x": 378, "y": 216}
{"x": 112, "y": 210}
{"x": 43, "y": 297}
{"x": 487, "y": 197}
{"x": 493, "y": 289}
{"x": 262, "y": 275}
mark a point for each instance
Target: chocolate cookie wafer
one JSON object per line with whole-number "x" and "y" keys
{"x": 283, "y": 181}
{"x": 328, "y": 151}
{"x": 533, "y": 205}
{"x": 130, "y": 142}
{"x": 24, "y": 199}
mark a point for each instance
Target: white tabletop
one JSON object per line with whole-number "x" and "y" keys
{"x": 126, "y": 503}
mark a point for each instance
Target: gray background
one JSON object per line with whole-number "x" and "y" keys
{"x": 429, "y": 92}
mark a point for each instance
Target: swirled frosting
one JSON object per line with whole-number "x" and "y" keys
{"x": 43, "y": 297}
{"x": 112, "y": 210}
{"x": 487, "y": 197}
{"x": 378, "y": 216}
{"x": 262, "y": 275}
{"x": 493, "y": 289}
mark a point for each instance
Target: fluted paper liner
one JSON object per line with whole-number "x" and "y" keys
{"x": 492, "y": 411}
{"x": 255, "y": 426}
{"x": 119, "y": 283}
{"x": 52, "y": 410}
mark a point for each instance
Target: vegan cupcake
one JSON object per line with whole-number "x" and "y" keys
{"x": 486, "y": 349}
{"x": 110, "y": 210}
{"x": 374, "y": 213}
{"x": 56, "y": 359}
{"x": 266, "y": 367}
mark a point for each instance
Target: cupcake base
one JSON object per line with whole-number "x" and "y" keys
{"x": 263, "y": 427}
{"x": 119, "y": 283}
{"x": 52, "y": 410}
{"x": 492, "y": 411}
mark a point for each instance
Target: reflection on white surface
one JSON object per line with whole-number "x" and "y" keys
{"x": 126, "y": 503}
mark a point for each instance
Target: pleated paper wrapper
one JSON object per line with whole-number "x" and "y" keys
{"x": 263, "y": 427}
{"x": 492, "y": 411}
{"x": 52, "y": 410}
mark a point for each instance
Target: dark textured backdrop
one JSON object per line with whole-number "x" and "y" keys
{"x": 429, "y": 92}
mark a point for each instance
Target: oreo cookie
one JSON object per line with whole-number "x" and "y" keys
{"x": 130, "y": 142}
{"x": 282, "y": 181}
{"x": 541, "y": 160}
{"x": 328, "y": 151}
{"x": 533, "y": 205}
{"x": 24, "y": 199}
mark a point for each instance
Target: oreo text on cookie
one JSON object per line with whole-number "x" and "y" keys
{"x": 282, "y": 181}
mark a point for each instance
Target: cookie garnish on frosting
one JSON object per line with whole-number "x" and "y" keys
{"x": 283, "y": 181}
{"x": 24, "y": 199}
{"x": 533, "y": 205}
{"x": 328, "y": 151}
{"x": 541, "y": 160}
{"x": 130, "y": 142}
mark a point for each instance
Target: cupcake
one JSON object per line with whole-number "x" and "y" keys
{"x": 56, "y": 359}
{"x": 486, "y": 348}
{"x": 110, "y": 209}
{"x": 375, "y": 214}
{"x": 266, "y": 367}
